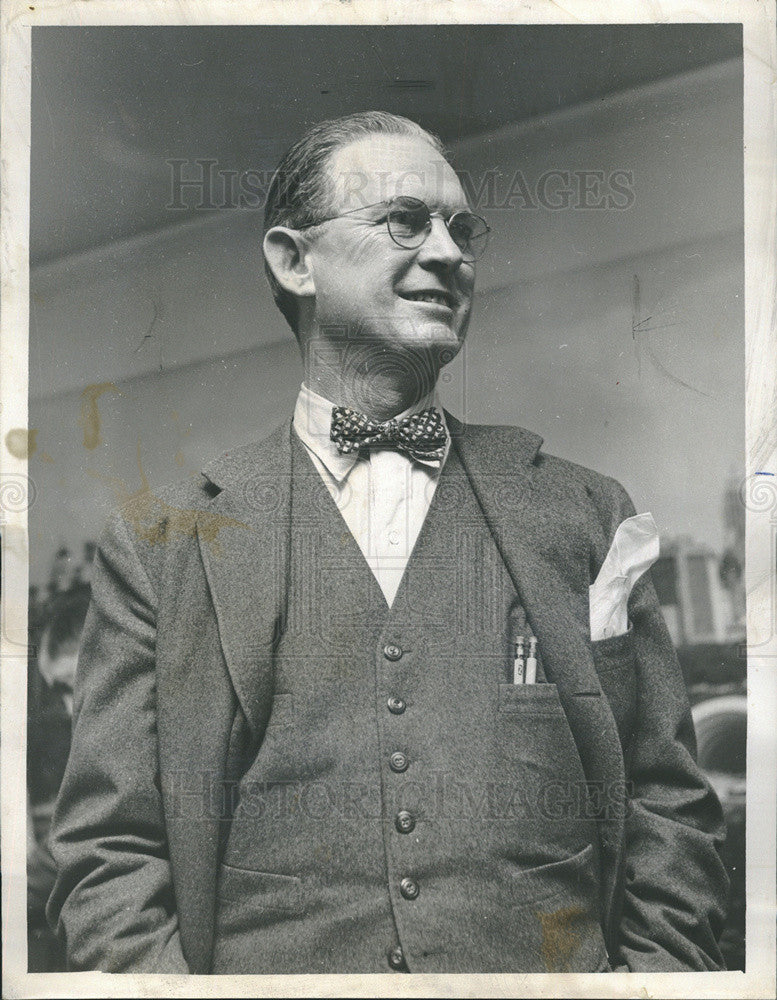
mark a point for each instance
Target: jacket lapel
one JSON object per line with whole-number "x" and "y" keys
{"x": 247, "y": 564}
{"x": 500, "y": 462}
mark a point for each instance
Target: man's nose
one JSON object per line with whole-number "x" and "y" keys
{"x": 439, "y": 247}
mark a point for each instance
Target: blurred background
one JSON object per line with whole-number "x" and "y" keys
{"x": 609, "y": 315}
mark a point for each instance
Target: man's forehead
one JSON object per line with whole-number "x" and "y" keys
{"x": 379, "y": 167}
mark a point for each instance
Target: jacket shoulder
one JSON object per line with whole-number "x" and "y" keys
{"x": 149, "y": 509}
{"x": 597, "y": 502}
{"x": 147, "y": 525}
{"x": 155, "y": 524}
{"x": 181, "y": 501}
{"x": 597, "y": 485}
{"x": 563, "y": 492}
{"x": 514, "y": 443}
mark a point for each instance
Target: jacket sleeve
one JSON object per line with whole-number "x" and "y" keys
{"x": 112, "y": 902}
{"x": 675, "y": 884}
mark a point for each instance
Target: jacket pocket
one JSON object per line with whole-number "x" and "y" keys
{"x": 615, "y": 648}
{"x": 616, "y": 667}
{"x": 263, "y": 890}
{"x": 531, "y": 699}
{"x": 533, "y": 885}
{"x": 559, "y": 902}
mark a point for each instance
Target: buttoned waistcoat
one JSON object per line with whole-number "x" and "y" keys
{"x": 175, "y": 691}
{"x": 407, "y": 799}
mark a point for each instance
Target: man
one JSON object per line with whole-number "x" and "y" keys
{"x": 299, "y": 746}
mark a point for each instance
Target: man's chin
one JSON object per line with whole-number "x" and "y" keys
{"x": 436, "y": 342}
{"x": 432, "y": 334}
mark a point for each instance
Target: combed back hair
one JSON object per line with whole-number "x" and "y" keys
{"x": 300, "y": 193}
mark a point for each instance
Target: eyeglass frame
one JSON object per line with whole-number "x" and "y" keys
{"x": 387, "y": 202}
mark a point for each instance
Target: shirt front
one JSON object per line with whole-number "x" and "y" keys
{"x": 382, "y": 494}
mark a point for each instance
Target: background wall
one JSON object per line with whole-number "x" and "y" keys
{"x": 618, "y": 334}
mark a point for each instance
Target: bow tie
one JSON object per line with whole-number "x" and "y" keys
{"x": 422, "y": 436}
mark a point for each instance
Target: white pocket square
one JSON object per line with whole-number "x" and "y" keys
{"x": 633, "y": 551}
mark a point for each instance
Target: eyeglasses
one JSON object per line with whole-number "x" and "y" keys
{"x": 409, "y": 222}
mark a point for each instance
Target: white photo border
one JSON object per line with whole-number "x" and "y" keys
{"x": 760, "y": 132}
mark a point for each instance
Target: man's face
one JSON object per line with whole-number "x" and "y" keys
{"x": 368, "y": 286}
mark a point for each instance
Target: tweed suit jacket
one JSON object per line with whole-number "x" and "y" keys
{"x": 174, "y": 688}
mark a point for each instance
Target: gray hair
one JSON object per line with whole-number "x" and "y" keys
{"x": 300, "y": 191}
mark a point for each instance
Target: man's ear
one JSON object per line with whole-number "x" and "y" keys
{"x": 285, "y": 251}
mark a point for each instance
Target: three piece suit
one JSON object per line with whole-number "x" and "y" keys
{"x": 273, "y": 771}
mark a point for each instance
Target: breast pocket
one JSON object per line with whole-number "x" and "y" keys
{"x": 530, "y": 699}
{"x": 533, "y": 736}
{"x": 616, "y": 666}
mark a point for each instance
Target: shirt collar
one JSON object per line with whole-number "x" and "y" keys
{"x": 313, "y": 419}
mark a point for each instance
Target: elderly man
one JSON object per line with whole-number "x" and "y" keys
{"x": 338, "y": 705}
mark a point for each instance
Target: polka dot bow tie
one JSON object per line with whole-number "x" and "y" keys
{"x": 422, "y": 435}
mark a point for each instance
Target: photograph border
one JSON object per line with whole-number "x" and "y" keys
{"x": 759, "y": 493}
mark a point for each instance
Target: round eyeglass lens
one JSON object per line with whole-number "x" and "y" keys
{"x": 409, "y": 221}
{"x": 469, "y": 232}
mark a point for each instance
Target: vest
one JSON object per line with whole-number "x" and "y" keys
{"x": 409, "y": 808}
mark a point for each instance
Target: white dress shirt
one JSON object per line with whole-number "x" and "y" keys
{"x": 383, "y": 494}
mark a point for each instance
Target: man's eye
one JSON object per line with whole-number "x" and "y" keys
{"x": 407, "y": 219}
{"x": 461, "y": 231}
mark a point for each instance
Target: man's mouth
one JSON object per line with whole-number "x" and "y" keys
{"x": 435, "y": 298}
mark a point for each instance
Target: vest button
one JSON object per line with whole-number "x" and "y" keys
{"x": 409, "y": 888}
{"x": 405, "y": 821}
{"x": 396, "y": 705}
{"x": 396, "y": 958}
{"x": 392, "y": 652}
{"x": 398, "y": 762}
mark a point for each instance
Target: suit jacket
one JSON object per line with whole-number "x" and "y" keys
{"x": 175, "y": 684}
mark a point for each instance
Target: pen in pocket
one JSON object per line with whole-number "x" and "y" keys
{"x": 531, "y": 662}
{"x": 519, "y": 666}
